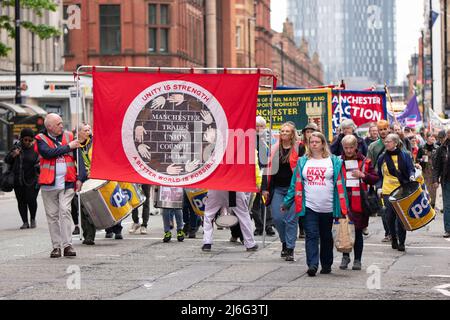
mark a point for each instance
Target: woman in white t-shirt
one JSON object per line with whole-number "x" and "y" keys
{"x": 318, "y": 189}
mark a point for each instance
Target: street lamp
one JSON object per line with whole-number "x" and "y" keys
{"x": 18, "y": 97}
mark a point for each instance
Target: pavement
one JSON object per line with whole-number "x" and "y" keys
{"x": 142, "y": 267}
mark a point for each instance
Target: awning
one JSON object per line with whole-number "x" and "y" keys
{"x": 14, "y": 108}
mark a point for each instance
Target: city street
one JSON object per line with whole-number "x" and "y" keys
{"x": 143, "y": 267}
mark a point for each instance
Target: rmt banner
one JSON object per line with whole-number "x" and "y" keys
{"x": 184, "y": 130}
{"x": 360, "y": 106}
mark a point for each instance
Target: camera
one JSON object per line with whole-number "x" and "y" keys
{"x": 17, "y": 146}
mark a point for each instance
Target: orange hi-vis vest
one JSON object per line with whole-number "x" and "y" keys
{"x": 299, "y": 193}
{"x": 48, "y": 166}
{"x": 355, "y": 194}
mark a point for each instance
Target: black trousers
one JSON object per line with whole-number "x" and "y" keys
{"x": 396, "y": 229}
{"x": 26, "y": 200}
{"x": 145, "y": 207}
{"x": 86, "y": 222}
{"x": 116, "y": 229}
{"x": 74, "y": 211}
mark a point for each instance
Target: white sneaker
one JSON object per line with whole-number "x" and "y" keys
{"x": 143, "y": 230}
{"x": 134, "y": 227}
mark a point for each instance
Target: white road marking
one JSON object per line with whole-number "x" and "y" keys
{"x": 443, "y": 289}
{"x": 148, "y": 285}
{"x": 439, "y": 276}
{"x": 107, "y": 255}
{"x": 407, "y": 247}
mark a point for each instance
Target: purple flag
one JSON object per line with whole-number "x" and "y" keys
{"x": 410, "y": 117}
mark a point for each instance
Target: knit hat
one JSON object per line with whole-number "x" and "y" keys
{"x": 27, "y": 132}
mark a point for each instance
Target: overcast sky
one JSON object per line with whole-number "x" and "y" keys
{"x": 409, "y": 22}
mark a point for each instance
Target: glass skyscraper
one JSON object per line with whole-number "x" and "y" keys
{"x": 354, "y": 38}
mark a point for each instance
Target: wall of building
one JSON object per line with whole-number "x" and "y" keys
{"x": 36, "y": 54}
{"x": 293, "y": 64}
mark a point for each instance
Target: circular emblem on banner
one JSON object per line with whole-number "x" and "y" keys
{"x": 175, "y": 133}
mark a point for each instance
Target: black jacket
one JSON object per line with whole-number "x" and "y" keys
{"x": 25, "y": 166}
{"x": 440, "y": 163}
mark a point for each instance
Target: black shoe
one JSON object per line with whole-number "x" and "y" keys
{"x": 254, "y": 248}
{"x": 325, "y": 270}
{"x": 186, "y": 228}
{"x": 109, "y": 235}
{"x": 33, "y": 224}
{"x": 69, "y": 252}
{"x": 401, "y": 247}
{"x": 192, "y": 235}
{"x": 284, "y": 250}
{"x": 289, "y": 255}
{"x": 270, "y": 232}
{"x": 88, "y": 242}
{"x": 118, "y": 236}
{"x": 76, "y": 230}
{"x": 56, "y": 253}
{"x": 301, "y": 234}
{"x": 206, "y": 247}
{"x": 394, "y": 243}
{"x": 257, "y": 233}
{"x": 312, "y": 271}
{"x": 25, "y": 226}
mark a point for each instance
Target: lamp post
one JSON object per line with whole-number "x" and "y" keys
{"x": 18, "y": 97}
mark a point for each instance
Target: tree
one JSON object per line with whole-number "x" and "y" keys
{"x": 38, "y": 7}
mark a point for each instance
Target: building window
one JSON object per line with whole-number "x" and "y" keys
{"x": 238, "y": 37}
{"x": 164, "y": 40}
{"x": 110, "y": 29}
{"x": 158, "y": 27}
{"x": 152, "y": 39}
{"x": 152, "y": 14}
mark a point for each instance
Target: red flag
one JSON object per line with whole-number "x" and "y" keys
{"x": 188, "y": 130}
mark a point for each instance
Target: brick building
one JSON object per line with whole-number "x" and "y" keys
{"x": 147, "y": 33}
{"x": 293, "y": 65}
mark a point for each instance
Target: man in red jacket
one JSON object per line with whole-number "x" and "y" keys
{"x": 58, "y": 180}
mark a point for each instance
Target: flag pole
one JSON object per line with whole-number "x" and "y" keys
{"x": 388, "y": 95}
{"x": 270, "y": 150}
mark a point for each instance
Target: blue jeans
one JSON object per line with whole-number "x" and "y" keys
{"x": 446, "y": 197}
{"x": 318, "y": 227}
{"x": 286, "y": 223}
{"x": 167, "y": 215}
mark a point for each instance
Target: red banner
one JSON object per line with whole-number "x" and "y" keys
{"x": 186, "y": 130}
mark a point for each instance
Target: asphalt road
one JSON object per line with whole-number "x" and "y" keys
{"x": 142, "y": 267}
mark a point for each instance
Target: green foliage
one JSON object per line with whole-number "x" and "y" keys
{"x": 38, "y": 7}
